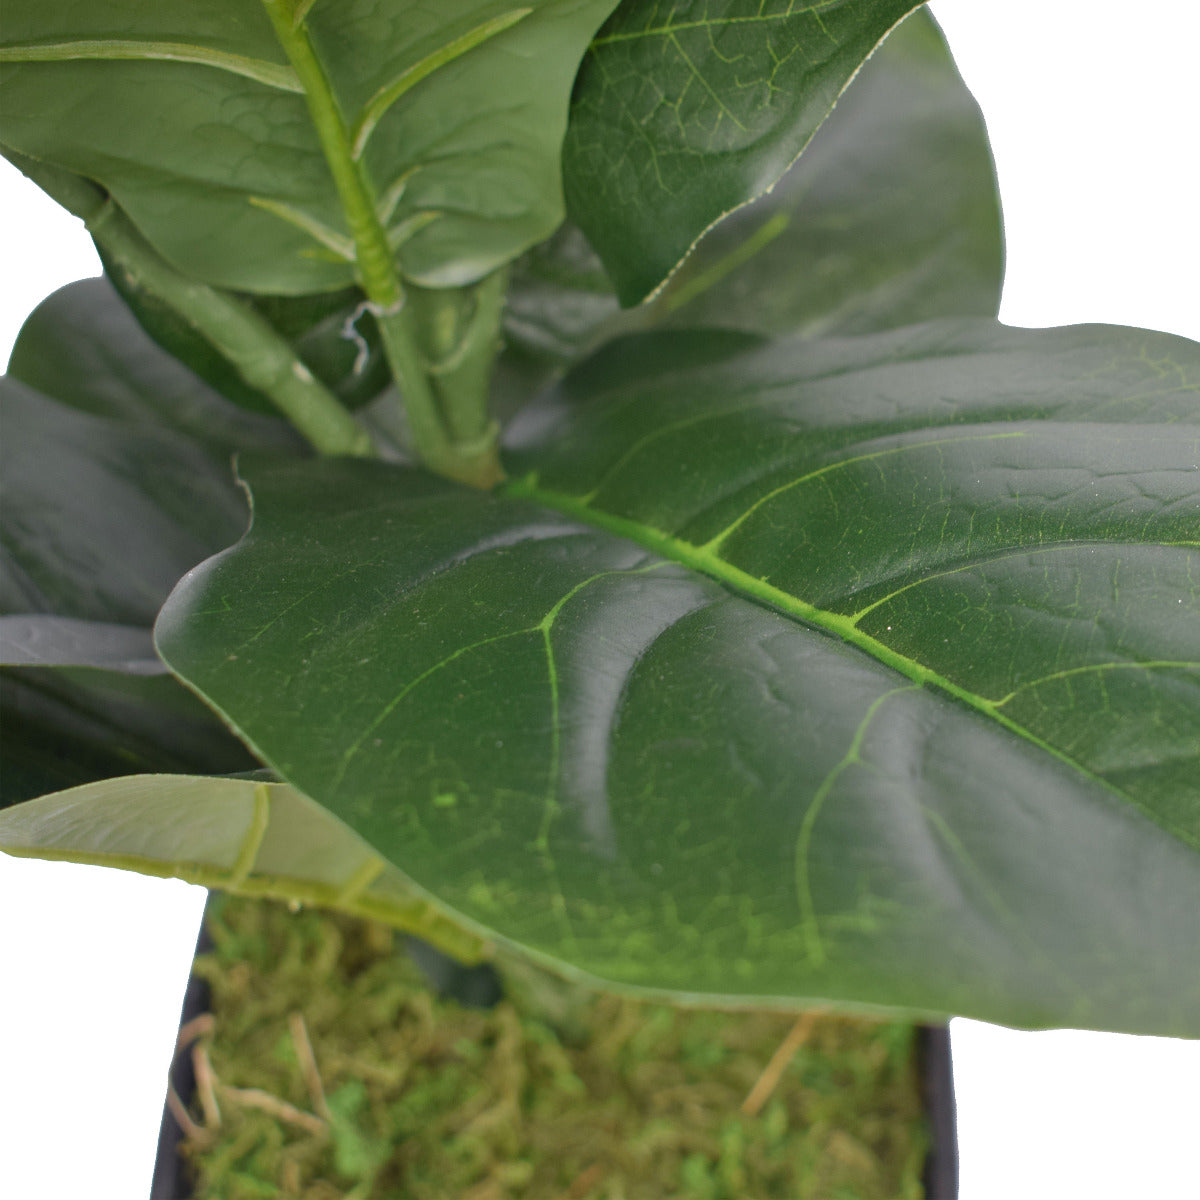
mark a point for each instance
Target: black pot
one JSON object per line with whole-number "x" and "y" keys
{"x": 171, "y": 1181}
{"x": 480, "y": 987}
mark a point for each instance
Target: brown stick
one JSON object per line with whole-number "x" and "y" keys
{"x": 765, "y": 1084}
{"x": 308, "y": 1065}
{"x": 199, "y": 1026}
{"x": 206, "y": 1081}
{"x": 191, "y": 1131}
{"x": 257, "y": 1098}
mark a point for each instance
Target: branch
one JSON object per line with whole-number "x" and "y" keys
{"x": 256, "y": 350}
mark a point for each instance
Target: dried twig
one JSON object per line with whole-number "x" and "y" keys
{"x": 199, "y": 1026}
{"x": 257, "y": 1098}
{"x": 765, "y": 1084}
{"x": 308, "y": 1065}
{"x": 191, "y": 1131}
{"x": 206, "y": 1081}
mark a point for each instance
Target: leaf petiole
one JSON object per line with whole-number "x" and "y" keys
{"x": 256, "y": 350}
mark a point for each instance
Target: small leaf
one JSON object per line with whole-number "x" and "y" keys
{"x": 244, "y": 836}
{"x": 684, "y": 113}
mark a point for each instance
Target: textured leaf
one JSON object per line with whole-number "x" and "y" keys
{"x": 890, "y": 217}
{"x": 192, "y": 117}
{"x": 684, "y": 112}
{"x": 245, "y": 836}
{"x": 865, "y": 670}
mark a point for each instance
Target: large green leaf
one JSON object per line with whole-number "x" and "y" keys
{"x": 64, "y": 726}
{"x": 83, "y": 348}
{"x": 684, "y": 112}
{"x": 890, "y": 217}
{"x": 115, "y": 479}
{"x": 246, "y": 836}
{"x": 191, "y": 115}
{"x": 865, "y": 670}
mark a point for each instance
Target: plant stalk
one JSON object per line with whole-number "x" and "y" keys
{"x": 474, "y": 462}
{"x": 260, "y": 355}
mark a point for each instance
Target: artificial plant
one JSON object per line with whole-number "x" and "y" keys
{"x": 661, "y": 561}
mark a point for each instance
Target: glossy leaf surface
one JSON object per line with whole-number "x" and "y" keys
{"x": 866, "y": 670}
{"x": 194, "y": 119}
{"x": 62, "y": 726}
{"x": 685, "y": 111}
{"x": 116, "y": 464}
{"x": 115, "y": 479}
{"x": 242, "y": 835}
{"x": 890, "y": 217}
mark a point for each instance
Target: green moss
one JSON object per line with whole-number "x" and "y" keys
{"x": 614, "y": 1099}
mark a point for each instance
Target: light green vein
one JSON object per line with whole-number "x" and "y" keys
{"x": 387, "y": 95}
{"x": 809, "y": 926}
{"x": 339, "y": 243}
{"x": 544, "y": 626}
{"x": 636, "y": 35}
{"x": 274, "y": 75}
{"x": 704, "y": 560}
{"x": 542, "y": 841}
{"x": 396, "y": 700}
{"x": 971, "y": 566}
{"x": 259, "y": 820}
{"x": 1093, "y": 668}
{"x": 714, "y": 543}
{"x": 684, "y": 293}
{"x": 713, "y": 94}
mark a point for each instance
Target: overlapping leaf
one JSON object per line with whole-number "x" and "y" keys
{"x": 192, "y": 117}
{"x": 865, "y": 670}
{"x": 685, "y": 111}
{"x": 247, "y": 836}
{"x": 890, "y": 217}
{"x": 116, "y": 478}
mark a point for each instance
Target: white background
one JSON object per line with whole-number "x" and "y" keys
{"x": 1093, "y": 110}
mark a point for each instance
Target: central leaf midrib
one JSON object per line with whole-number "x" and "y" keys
{"x": 705, "y": 561}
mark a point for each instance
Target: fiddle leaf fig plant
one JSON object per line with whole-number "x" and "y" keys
{"x": 541, "y": 475}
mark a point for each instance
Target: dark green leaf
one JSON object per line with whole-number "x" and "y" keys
{"x": 67, "y": 726}
{"x": 865, "y": 670}
{"x": 890, "y": 217}
{"x": 192, "y": 117}
{"x": 111, "y": 490}
{"x": 101, "y": 518}
{"x": 683, "y": 113}
{"x": 83, "y": 347}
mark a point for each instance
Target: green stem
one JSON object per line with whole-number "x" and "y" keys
{"x": 459, "y": 330}
{"x": 433, "y": 436}
{"x": 255, "y": 349}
